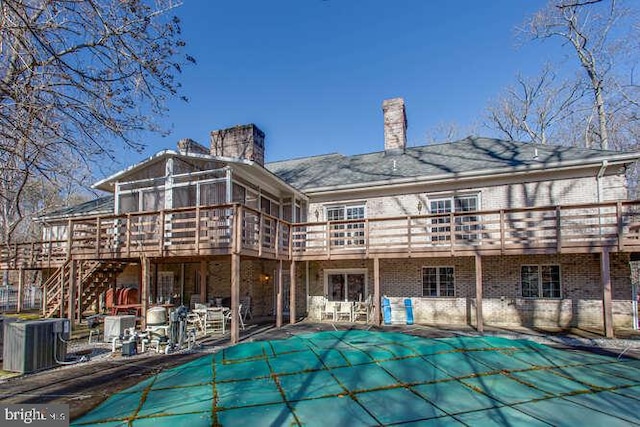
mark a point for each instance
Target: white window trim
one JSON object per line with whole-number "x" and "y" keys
{"x": 438, "y": 267}
{"x": 452, "y": 197}
{"x": 364, "y": 271}
{"x": 540, "y": 296}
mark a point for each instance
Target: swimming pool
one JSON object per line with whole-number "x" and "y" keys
{"x": 357, "y": 377}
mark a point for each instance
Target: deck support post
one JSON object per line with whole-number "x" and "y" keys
{"x": 73, "y": 283}
{"x": 145, "y": 287}
{"x": 376, "y": 291}
{"x": 292, "y": 292}
{"x": 20, "y": 290}
{"x": 203, "y": 282}
{"x": 479, "y": 319}
{"x": 607, "y": 312}
{"x": 279, "y": 296}
{"x": 235, "y": 297}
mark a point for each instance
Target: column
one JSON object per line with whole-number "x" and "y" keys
{"x": 292, "y": 293}
{"x": 376, "y": 291}
{"x": 606, "y": 293}
{"x": 235, "y": 297}
{"x": 479, "y": 319}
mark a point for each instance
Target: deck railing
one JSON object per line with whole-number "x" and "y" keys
{"x": 223, "y": 229}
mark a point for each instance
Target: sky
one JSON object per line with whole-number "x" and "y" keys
{"x": 312, "y": 74}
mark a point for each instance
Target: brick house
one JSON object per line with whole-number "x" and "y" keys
{"x": 477, "y": 231}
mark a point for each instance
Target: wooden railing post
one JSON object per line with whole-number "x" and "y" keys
{"x": 409, "y": 228}
{"x": 277, "y": 248}
{"x": 367, "y": 236}
{"x": 502, "y": 231}
{"x": 161, "y": 234}
{"x": 197, "y": 230}
{"x": 328, "y": 236}
{"x": 69, "y": 238}
{"x": 128, "y": 236}
{"x": 236, "y": 230}
{"x": 98, "y": 227}
{"x": 260, "y": 230}
{"x": 620, "y": 225}
{"x": 452, "y": 230}
{"x": 558, "y": 230}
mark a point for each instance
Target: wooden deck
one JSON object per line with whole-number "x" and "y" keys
{"x": 227, "y": 229}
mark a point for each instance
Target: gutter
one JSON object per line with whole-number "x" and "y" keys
{"x": 577, "y": 164}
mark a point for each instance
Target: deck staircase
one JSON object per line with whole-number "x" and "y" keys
{"x": 95, "y": 277}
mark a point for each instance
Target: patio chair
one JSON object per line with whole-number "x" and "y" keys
{"x": 196, "y": 320}
{"x": 329, "y": 311}
{"x": 229, "y": 314}
{"x": 362, "y": 309}
{"x": 214, "y": 321}
{"x": 245, "y": 303}
{"x": 345, "y": 311}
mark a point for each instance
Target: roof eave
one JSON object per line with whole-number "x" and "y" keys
{"x": 567, "y": 165}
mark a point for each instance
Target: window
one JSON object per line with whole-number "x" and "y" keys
{"x": 540, "y": 281}
{"x": 347, "y": 233}
{"x": 345, "y": 285}
{"x": 438, "y": 282}
{"x": 465, "y": 225}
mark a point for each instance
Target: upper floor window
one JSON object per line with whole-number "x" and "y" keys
{"x": 465, "y": 225}
{"x": 438, "y": 282}
{"x": 540, "y": 281}
{"x": 348, "y": 233}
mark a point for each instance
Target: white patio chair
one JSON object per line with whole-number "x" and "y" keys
{"x": 228, "y": 316}
{"x": 214, "y": 321}
{"x": 329, "y": 311}
{"x": 345, "y": 311}
{"x": 362, "y": 309}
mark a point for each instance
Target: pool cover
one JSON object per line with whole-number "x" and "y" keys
{"x": 369, "y": 378}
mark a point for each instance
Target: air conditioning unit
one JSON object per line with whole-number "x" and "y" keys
{"x": 34, "y": 345}
{"x": 114, "y": 326}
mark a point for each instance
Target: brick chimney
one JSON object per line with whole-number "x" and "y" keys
{"x": 239, "y": 142}
{"x": 189, "y": 146}
{"x": 395, "y": 125}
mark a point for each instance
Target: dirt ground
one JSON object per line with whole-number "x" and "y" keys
{"x": 86, "y": 384}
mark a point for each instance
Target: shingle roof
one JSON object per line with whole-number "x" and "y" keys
{"x": 468, "y": 155}
{"x": 101, "y": 205}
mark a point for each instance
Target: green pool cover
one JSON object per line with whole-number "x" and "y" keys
{"x": 355, "y": 378}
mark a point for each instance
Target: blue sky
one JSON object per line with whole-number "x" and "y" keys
{"x": 312, "y": 74}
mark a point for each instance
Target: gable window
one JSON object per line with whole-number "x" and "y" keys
{"x": 540, "y": 281}
{"x": 465, "y": 225}
{"x": 349, "y": 233}
{"x": 438, "y": 282}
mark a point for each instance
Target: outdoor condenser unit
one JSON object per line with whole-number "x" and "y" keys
{"x": 114, "y": 326}
{"x": 34, "y": 345}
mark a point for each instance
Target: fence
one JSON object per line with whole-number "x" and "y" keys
{"x": 31, "y": 298}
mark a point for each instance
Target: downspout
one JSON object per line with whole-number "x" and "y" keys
{"x": 599, "y": 176}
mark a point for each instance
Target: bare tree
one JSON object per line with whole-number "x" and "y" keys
{"x": 78, "y": 79}
{"x": 596, "y": 31}
{"x": 535, "y": 109}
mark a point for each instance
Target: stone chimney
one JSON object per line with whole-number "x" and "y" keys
{"x": 189, "y": 146}
{"x": 239, "y": 142}
{"x": 395, "y": 125}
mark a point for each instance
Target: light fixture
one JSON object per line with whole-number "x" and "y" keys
{"x": 419, "y": 206}
{"x": 317, "y": 214}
